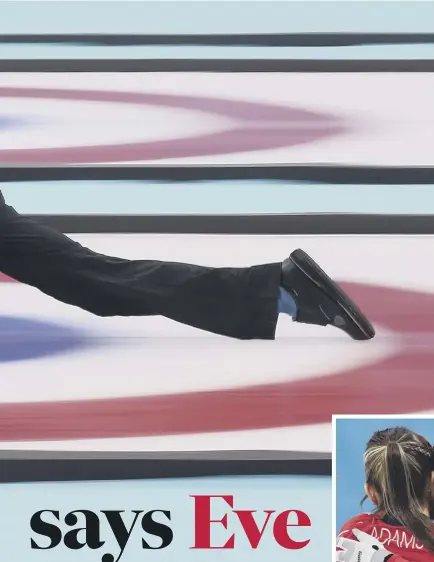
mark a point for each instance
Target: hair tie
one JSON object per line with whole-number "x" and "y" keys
{"x": 428, "y": 453}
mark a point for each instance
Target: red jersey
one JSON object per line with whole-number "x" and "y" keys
{"x": 396, "y": 539}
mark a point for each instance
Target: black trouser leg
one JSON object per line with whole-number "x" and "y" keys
{"x": 236, "y": 302}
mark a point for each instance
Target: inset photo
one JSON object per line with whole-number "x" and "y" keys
{"x": 383, "y": 488}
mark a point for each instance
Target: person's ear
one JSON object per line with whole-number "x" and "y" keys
{"x": 370, "y": 492}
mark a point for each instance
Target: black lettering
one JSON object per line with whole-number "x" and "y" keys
{"x": 45, "y": 529}
{"x": 91, "y": 531}
{"x": 157, "y": 529}
{"x": 120, "y": 531}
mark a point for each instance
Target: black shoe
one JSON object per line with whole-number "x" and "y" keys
{"x": 320, "y": 300}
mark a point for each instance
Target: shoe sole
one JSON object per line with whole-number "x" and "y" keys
{"x": 332, "y": 290}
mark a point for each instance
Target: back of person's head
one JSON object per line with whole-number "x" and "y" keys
{"x": 398, "y": 468}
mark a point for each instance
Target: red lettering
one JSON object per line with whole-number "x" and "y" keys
{"x": 247, "y": 520}
{"x": 202, "y": 522}
{"x": 280, "y": 529}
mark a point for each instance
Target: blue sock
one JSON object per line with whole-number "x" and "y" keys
{"x": 286, "y": 304}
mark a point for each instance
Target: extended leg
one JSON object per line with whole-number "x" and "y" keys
{"x": 242, "y": 303}
{"x": 237, "y": 302}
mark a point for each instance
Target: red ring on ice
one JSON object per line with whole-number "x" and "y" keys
{"x": 399, "y": 384}
{"x": 257, "y": 126}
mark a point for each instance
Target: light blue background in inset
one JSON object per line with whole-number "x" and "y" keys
{"x": 306, "y": 493}
{"x": 212, "y": 197}
{"x": 351, "y": 438}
